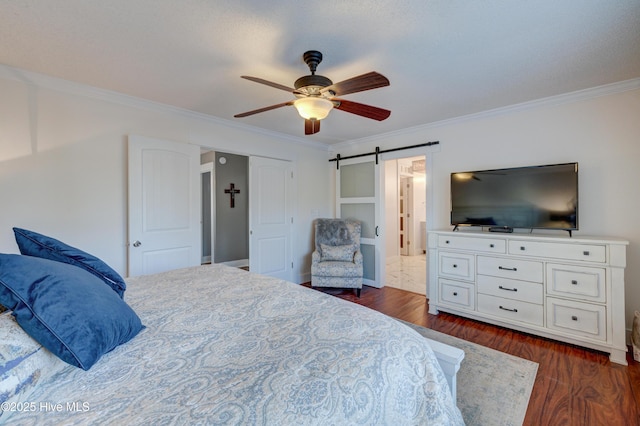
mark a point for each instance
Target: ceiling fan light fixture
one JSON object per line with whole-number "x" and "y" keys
{"x": 313, "y": 108}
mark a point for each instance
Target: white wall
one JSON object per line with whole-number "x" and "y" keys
{"x": 63, "y": 163}
{"x": 599, "y": 128}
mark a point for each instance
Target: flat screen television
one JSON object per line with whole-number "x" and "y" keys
{"x": 534, "y": 197}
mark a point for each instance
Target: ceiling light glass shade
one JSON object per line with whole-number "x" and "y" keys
{"x": 313, "y": 108}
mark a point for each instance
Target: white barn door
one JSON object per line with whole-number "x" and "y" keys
{"x": 358, "y": 197}
{"x": 164, "y": 205}
{"x": 270, "y": 217}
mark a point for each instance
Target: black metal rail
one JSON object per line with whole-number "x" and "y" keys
{"x": 378, "y": 151}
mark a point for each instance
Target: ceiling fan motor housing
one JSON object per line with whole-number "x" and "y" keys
{"x": 312, "y": 80}
{"x": 312, "y": 83}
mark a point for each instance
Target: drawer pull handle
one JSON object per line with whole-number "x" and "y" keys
{"x": 575, "y": 318}
{"x": 455, "y": 266}
{"x": 586, "y": 253}
{"x": 455, "y": 293}
{"x": 507, "y": 288}
{"x": 522, "y": 248}
{"x": 574, "y": 282}
{"x": 507, "y": 269}
{"x": 491, "y": 245}
{"x": 507, "y": 309}
{"x": 446, "y": 242}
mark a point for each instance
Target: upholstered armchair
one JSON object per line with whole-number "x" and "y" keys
{"x": 337, "y": 261}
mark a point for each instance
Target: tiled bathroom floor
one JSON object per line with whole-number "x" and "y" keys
{"x": 409, "y": 273}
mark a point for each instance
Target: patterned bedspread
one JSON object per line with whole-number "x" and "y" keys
{"x": 224, "y": 346}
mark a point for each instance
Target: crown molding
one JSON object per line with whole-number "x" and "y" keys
{"x": 78, "y": 89}
{"x": 579, "y": 95}
{"x": 83, "y": 90}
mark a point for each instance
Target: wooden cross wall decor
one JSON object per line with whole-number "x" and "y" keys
{"x": 232, "y": 191}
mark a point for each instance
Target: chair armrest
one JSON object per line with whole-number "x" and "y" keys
{"x": 357, "y": 258}
{"x": 315, "y": 257}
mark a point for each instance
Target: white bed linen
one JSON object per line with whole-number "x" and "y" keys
{"x": 224, "y": 346}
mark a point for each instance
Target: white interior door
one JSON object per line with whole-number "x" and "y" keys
{"x": 408, "y": 217}
{"x": 403, "y": 216}
{"x": 270, "y": 217}
{"x": 358, "y": 197}
{"x": 164, "y": 205}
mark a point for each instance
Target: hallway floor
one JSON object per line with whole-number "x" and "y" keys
{"x": 409, "y": 273}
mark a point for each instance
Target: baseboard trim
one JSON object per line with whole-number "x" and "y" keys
{"x": 304, "y": 278}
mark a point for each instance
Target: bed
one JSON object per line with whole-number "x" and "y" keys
{"x": 221, "y": 345}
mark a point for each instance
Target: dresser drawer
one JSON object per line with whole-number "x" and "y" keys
{"x": 586, "y": 252}
{"x": 475, "y": 244}
{"x": 457, "y": 265}
{"x": 578, "y": 282}
{"x": 511, "y": 289}
{"x": 517, "y": 269}
{"x": 513, "y": 310}
{"x": 579, "y": 318}
{"x": 457, "y": 293}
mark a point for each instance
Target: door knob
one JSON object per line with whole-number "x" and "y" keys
{"x": 137, "y": 243}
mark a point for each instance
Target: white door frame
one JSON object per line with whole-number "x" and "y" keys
{"x": 210, "y": 168}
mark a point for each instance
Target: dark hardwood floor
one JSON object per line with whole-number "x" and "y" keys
{"x": 574, "y": 386}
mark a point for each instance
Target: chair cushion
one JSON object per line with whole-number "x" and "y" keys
{"x": 342, "y": 253}
{"x": 336, "y": 269}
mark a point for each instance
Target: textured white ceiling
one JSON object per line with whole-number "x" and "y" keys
{"x": 444, "y": 58}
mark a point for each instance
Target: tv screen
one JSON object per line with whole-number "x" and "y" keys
{"x": 536, "y": 197}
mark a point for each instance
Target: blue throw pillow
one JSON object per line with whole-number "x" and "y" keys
{"x": 38, "y": 245}
{"x": 68, "y": 310}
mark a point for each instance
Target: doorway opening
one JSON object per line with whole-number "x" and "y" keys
{"x": 225, "y": 208}
{"x": 405, "y": 224}
{"x": 249, "y": 224}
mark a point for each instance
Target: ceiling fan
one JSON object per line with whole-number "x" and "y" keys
{"x": 316, "y": 95}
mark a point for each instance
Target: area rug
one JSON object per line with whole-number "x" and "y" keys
{"x": 493, "y": 387}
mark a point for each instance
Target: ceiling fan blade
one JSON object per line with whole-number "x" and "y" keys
{"x": 368, "y": 81}
{"x": 256, "y": 111}
{"x": 270, "y": 83}
{"x": 363, "y": 110}
{"x": 311, "y": 127}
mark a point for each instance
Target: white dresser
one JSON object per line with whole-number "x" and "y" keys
{"x": 556, "y": 286}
